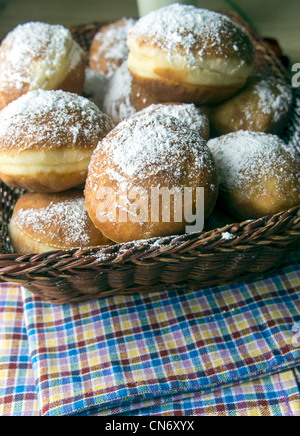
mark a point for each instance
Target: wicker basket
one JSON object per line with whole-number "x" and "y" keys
{"x": 188, "y": 261}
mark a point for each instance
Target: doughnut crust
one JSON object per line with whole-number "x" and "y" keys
{"x": 109, "y": 47}
{"x": 259, "y": 174}
{"x": 140, "y": 157}
{"x": 47, "y": 139}
{"x": 51, "y": 222}
{"x": 124, "y": 97}
{"x": 40, "y": 56}
{"x": 262, "y": 106}
{"x": 187, "y": 54}
{"x": 194, "y": 117}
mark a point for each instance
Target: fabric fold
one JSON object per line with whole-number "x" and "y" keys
{"x": 126, "y": 354}
{"x": 18, "y": 395}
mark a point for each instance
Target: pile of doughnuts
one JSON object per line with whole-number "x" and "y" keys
{"x": 163, "y": 122}
{"x": 46, "y": 142}
{"x": 48, "y": 134}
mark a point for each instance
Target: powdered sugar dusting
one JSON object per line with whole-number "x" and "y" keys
{"x": 180, "y": 27}
{"x": 33, "y": 48}
{"x": 113, "y": 43}
{"x": 274, "y": 97}
{"x": 117, "y": 98}
{"x": 186, "y": 113}
{"x": 145, "y": 146}
{"x": 227, "y": 236}
{"x": 69, "y": 216}
{"x": 51, "y": 119}
{"x": 95, "y": 87}
{"x": 244, "y": 157}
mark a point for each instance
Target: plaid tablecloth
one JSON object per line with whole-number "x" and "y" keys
{"x": 227, "y": 351}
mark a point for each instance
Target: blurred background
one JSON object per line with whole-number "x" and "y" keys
{"x": 272, "y": 18}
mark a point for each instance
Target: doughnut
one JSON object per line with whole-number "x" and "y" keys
{"x": 95, "y": 87}
{"x": 47, "y": 139}
{"x": 194, "y": 117}
{"x": 109, "y": 46}
{"x": 39, "y": 56}
{"x": 262, "y": 106}
{"x": 124, "y": 97}
{"x": 141, "y": 158}
{"x": 52, "y": 222}
{"x": 259, "y": 173}
{"x": 186, "y": 54}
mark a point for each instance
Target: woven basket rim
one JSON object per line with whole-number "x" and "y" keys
{"x": 243, "y": 235}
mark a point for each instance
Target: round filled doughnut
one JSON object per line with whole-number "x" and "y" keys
{"x": 262, "y": 106}
{"x": 187, "y": 54}
{"x": 40, "y": 56}
{"x": 109, "y": 46}
{"x": 194, "y": 117}
{"x": 144, "y": 173}
{"x": 47, "y": 139}
{"x": 259, "y": 174}
{"x": 52, "y": 222}
{"x": 124, "y": 97}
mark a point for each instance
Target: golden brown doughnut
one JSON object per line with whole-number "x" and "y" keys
{"x": 40, "y": 56}
{"x": 47, "y": 139}
{"x": 194, "y": 117}
{"x": 124, "y": 97}
{"x": 262, "y": 106}
{"x": 259, "y": 173}
{"x": 141, "y": 156}
{"x": 52, "y": 222}
{"x": 109, "y": 46}
{"x": 187, "y": 54}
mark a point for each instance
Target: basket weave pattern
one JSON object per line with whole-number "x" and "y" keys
{"x": 193, "y": 260}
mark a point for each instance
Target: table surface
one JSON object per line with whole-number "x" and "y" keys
{"x": 271, "y": 17}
